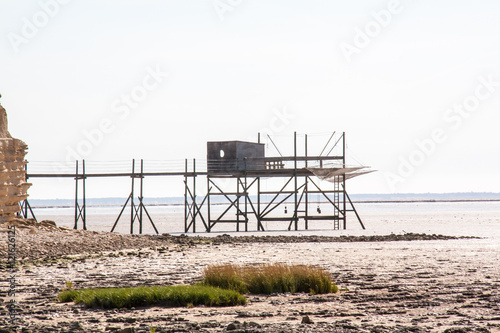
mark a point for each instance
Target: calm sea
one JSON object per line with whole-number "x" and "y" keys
{"x": 449, "y": 218}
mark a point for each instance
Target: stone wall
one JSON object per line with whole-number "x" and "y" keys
{"x": 13, "y": 185}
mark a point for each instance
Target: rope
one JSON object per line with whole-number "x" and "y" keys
{"x": 354, "y": 157}
{"x": 274, "y": 145}
{"x": 331, "y": 137}
{"x": 122, "y": 166}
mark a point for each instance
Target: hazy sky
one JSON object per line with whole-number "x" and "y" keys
{"x": 415, "y": 84}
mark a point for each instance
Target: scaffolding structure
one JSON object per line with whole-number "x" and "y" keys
{"x": 241, "y": 187}
{"x": 248, "y": 201}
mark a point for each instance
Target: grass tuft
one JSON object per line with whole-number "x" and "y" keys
{"x": 270, "y": 278}
{"x": 147, "y": 296}
{"x": 225, "y": 277}
{"x": 69, "y": 285}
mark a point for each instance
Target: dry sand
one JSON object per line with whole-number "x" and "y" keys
{"x": 404, "y": 283}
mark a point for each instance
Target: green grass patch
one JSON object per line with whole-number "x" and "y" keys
{"x": 148, "y": 296}
{"x": 270, "y": 278}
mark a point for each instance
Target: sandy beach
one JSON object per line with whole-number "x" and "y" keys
{"x": 394, "y": 283}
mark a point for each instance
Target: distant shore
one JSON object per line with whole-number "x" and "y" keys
{"x": 311, "y": 202}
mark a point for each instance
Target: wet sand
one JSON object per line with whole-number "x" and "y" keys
{"x": 388, "y": 283}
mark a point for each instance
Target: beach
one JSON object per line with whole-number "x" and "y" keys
{"x": 399, "y": 282}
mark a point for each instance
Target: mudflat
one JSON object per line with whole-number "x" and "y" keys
{"x": 393, "y": 283}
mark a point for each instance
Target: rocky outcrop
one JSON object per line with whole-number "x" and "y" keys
{"x": 13, "y": 185}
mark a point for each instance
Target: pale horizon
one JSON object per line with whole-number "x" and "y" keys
{"x": 415, "y": 85}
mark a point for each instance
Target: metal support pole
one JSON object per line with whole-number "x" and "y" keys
{"x": 136, "y": 212}
{"x": 185, "y": 196}
{"x": 25, "y": 205}
{"x": 259, "y": 223}
{"x": 296, "y": 216}
{"x": 132, "y": 198}
{"x": 343, "y": 181}
{"x": 84, "y": 197}
{"x": 246, "y": 202}
{"x": 189, "y": 199}
{"x": 208, "y": 205}
{"x": 355, "y": 212}
{"x": 76, "y": 196}
{"x": 237, "y": 204}
{"x": 25, "y": 208}
{"x": 194, "y": 196}
{"x": 80, "y": 211}
{"x": 306, "y": 210}
{"x": 141, "y": 206}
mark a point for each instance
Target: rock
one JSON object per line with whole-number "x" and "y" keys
{"x": 253, "y": 324}
{"x": 32, "y": 224}
{"x": 456, "y": 330}
{"x": 126, "y": 330}
{"x": 307, "y": 320}
{"x": 48, "y": 223}
{"x": 76, "y": 326}
{"x": 231, "y": 327}
{"x": 4, "y": 126}
{"x": 14, "y": 187}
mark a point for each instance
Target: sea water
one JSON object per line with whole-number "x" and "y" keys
{"x": 469, "y": 218}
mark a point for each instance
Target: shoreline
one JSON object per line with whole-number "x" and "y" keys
{"x": 44, "y": 241}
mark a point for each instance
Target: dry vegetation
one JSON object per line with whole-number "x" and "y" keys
{"x": 270, "y": 278}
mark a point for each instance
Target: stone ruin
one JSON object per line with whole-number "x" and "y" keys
{"x": 13, "y": 185}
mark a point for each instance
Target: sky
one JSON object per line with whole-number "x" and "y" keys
{"x": 415, "y": 85}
